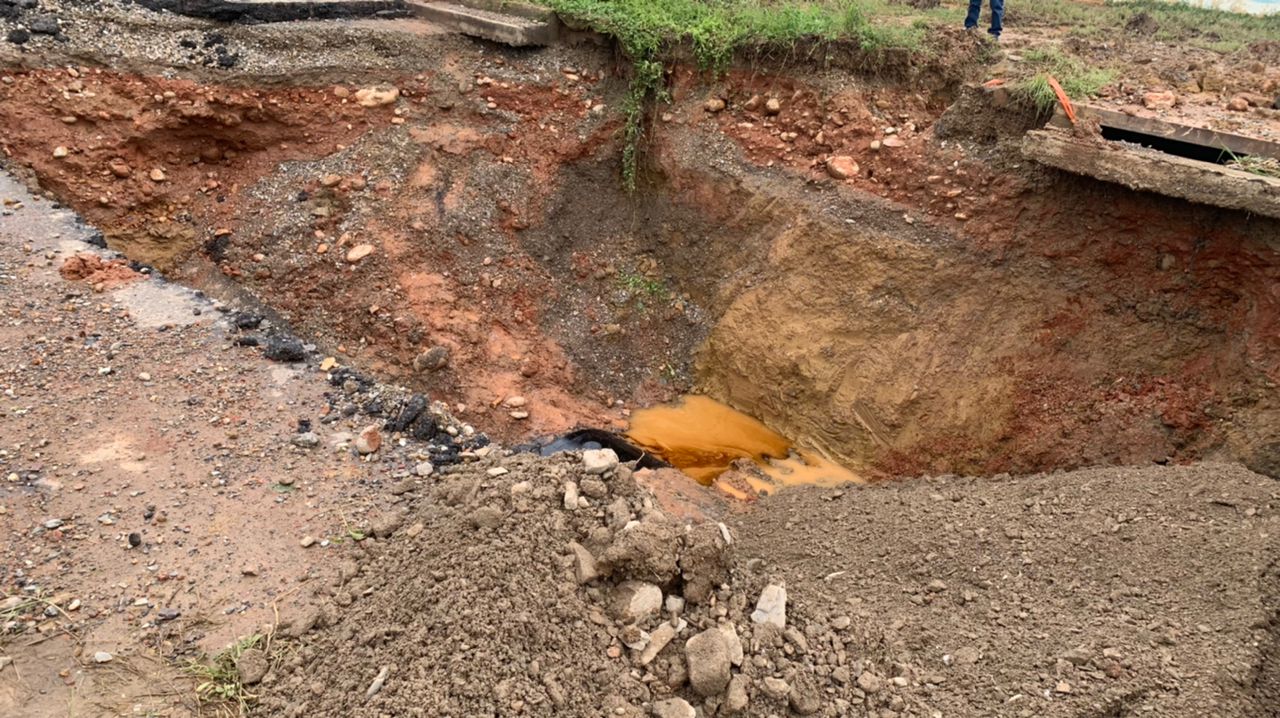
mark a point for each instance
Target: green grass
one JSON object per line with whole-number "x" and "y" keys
{"x": 648, "y": 30}
{"x": 1175, "y": 22}
{"x": 1077, "y": 80}
{"x": 1264, "y": 166}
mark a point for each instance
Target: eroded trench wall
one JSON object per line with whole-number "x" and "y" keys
{"x": 1078, "y": 324}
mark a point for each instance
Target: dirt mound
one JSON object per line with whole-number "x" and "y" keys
{"x": 1102, "y": 592}
{"x": 499, "y": 600}
{"x": 100, "y": 273}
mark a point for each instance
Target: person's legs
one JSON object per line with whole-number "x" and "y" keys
{"x": 997, "y": 17}
{"x": 971, "y": 20}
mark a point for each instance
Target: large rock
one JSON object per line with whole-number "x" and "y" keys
{"x": 634, "y": 601}
{"x": 707, "y": 655}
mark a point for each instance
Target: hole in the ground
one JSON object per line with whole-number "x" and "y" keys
{"x": 1169, "y": 145}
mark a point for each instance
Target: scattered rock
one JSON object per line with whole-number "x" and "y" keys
{"x": 584, "y": 564}
{"x": 284, "y": 349}
{"x": 377, "y": 95}
{"x": 599, "y": 461}
{"x": 434, "y": 359}
{"x": 870, "y": 683}
{"x": 251, "y": 666}
{"x": 736, "y": 697}
{"x": 842, "y": 167}
{"x": 772, "y": 106}
{"x": 386, "y": 524}
{"x": 369, "y": 441}
{"x": 633, "y": 601}
{"x": 1238, "y": 104}
{"x": 707, "y": 656}
{"x": 732, "y": 642}
{"x": 714, "y": 104}
{"x": 804, "y": 697}
{"x": 487, "y": 517}
{"x": 103, "y": 657}
{"x": 772, "y": 606}
{"x": 776, "y": 688}
{"x": 307, "y": 440}
{"x": 674, "y": 708}
{"x": 1159, "y": 100}
{"x": 659, "y": 639}
{"x": 307, "y": 541}
{"x": 157, "y": 175}
{"x": 359, "y": 252}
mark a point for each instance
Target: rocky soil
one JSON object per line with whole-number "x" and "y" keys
{"x": 357, "y": 202}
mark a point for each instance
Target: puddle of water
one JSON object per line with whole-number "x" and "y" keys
{"x": 704, "y": 438}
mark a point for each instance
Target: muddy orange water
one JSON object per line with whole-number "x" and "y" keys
{"x": 703, "y": 438}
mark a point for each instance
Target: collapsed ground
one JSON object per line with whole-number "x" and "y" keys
{"x": 448, "y": 215}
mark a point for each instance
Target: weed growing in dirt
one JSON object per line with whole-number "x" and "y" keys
{"x": 715, "y": 29}
{"x": 218, "y": 681}
{"x": 1077, "y": 80}
{"x": 1264, "y": 166}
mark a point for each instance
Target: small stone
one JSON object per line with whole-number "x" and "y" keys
{"x": 60, "y": 152}
{"x": 434, "y": 359}
{"x": 414, "y": 530}
{"x": 306, "y": 440}
{"x": 936, "y": 586}
{"x": 424, "y": 469}
{"x": 804, "y": 698}
{"x": 515, "y": 402}
{"x": 570, "y": 496}
{"x": 377, "y": 95}
{"x": 736, "y": 697}
{"x": 359, "y": 252}
{"x": 1159, "y": 100}
{"x": 707, "y": 656}
{"x": 102, "y": 657}
{"x": 307, "y": 541}
{"x": 966, "y": 656}
{"x": 143, "y": 376}
{"x": 369, "y": 441}
{"x": 251, "y": 666}
{"x": 776, "y": 688}
{"x": 633, "y": 601}
{"x": 772, "y": 606}
{"x": 386, "y": 524}
{"x": 1062, "y": 687}
{"x": 713, "y": 105}
{"x": 772, "y": 106}
{"x": 674, "y": 708}
{"x": 599, "y": 461}
{"x": 497, "y": 471}
{"x": 870, "y": 683}
{"x": 120, "y": 169}
{"x": 874, "y": 146}
{"x": 658, "y": 640}
{"x": 1238, "y": 104}
{"x": 842, "y": 167}
{"x": 519, "y": 415}
{"x": 732, "y": 642}
{"x": 584, "y": 564}
{"x": 157, "y": 175}
{"x": 594, "y": 488}
{"x": 487, "y": 517}
{"x": 892, "y": 141}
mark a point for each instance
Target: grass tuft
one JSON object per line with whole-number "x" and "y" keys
{"x": 218, "y": 681}
{"x": 1077, "y": 81}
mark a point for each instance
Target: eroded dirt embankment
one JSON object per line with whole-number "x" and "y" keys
{"x": 942, "y": 309}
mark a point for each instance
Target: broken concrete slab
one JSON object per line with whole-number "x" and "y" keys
{"x": 1152, "y": 171}
{"x": 505, "y": 27}
{"x": 278, "y": 10}
{"x": 1163, "y": 129}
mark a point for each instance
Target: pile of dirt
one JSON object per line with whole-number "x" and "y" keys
{"x": 557, "y": 587}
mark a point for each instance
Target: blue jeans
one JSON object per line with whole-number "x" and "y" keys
{"x": 997, "y": 15}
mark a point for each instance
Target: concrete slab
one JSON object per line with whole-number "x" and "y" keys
{"x": 1166, "y": 130}
{"x": 278, "y": 10}
{"x": 504, "y": 27}
{"x": 1142, "y": 169}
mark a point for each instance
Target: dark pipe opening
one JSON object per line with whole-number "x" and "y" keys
{"x": 1190, "y": 150}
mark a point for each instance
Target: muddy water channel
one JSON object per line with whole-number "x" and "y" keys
{"x": 718, "y": 445}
